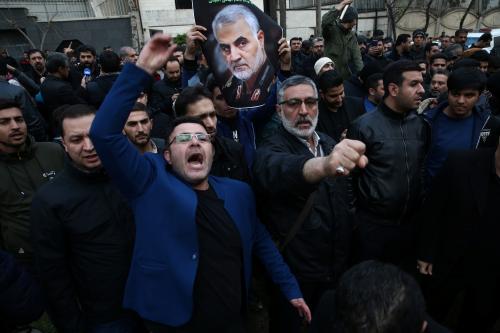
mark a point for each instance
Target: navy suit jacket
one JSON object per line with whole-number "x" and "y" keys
{"x": 165, "y": 260}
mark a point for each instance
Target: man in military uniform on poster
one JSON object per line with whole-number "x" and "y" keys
{"x": 241, "y": 41}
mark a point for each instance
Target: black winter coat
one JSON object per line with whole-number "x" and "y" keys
{"x": 229, "y": 160}
{"x": 99, "y": 88}
{"x": 390, "y": 189}
{"x": 320, "y": 248}
{"x": 83, "y": 235}
{"x": 161, "y": 95}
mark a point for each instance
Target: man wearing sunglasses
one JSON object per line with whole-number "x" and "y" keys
{"x": 195, "y": 234}
{"x": 300, "y": 201}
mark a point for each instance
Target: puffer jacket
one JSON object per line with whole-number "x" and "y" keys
{"x": 21, "y": 174}
{"x": 390, "y": 189}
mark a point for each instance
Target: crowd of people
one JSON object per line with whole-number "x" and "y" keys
{"x": 360, "y": 197}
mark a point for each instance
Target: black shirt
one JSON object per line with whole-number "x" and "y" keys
{"x": 332, "y": 123}
{"x": 218, "y": 288}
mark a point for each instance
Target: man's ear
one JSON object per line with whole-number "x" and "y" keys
{"x": 371, "y": 91}
{"x": 167, "y": 156}
{"x": 393, "y": 89}
{"x": 64, "y": 144}
{"x": 260, "y": 37}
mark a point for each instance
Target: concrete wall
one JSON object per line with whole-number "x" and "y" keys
{"x": 115, "y": 32}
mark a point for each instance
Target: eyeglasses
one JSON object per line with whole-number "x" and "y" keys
{"x": 187, "y": 137}
{"x": 295, "y": 103}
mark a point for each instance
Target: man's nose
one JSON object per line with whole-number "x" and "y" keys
{"x": 235, "y": 53}
{"x": 87, "y": 144}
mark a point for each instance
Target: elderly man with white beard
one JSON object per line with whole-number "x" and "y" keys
{"x": 301, "y": 196}
{"x": 241, "y": 42}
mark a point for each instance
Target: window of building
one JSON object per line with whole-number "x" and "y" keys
{"x": 183, "y": 4}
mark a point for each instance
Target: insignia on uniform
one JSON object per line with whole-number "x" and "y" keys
{"x": 238, "y": 91}
{"x": 255, "y": 95}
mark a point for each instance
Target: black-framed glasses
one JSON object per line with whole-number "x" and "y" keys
{"x": 295, "y": 103}
{"x": 187, "y": 137}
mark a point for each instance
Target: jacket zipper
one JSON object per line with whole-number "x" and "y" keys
{"x": 407, "y": 172}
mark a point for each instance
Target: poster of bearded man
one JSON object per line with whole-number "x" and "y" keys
{"x": 241, "y": 49}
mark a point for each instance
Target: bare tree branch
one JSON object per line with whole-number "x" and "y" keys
{"x": 466, "y": 13}
{"x": 428, "y": 14}
{"x": 400, "y": 15}
{"x": 13, "y": 23}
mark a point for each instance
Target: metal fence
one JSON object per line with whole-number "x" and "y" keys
{"x": 373, "y": 5}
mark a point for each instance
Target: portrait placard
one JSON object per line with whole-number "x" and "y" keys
{"x": 241, "y": 49}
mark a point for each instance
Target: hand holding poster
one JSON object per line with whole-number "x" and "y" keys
{"x": 241, "y": 49}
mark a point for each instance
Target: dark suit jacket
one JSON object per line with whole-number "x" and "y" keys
{"x": 455, "y": 235}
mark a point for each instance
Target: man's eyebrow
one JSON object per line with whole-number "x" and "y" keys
{"x": 240, "y": 39}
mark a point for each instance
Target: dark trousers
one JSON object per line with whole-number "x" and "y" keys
{"x": 395, "y": 244}
{"x": 283, "y": 317}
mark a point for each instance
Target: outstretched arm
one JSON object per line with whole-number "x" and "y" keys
{"x": 131, "y": 171}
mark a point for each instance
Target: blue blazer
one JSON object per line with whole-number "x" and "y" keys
{"x": 165, "y": 259}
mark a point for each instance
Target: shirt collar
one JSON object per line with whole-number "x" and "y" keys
{"x": 316, "y": 150}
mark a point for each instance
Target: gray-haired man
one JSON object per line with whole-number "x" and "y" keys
{"x": 297, "y": 168}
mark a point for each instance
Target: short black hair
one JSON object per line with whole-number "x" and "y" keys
{"x": 440, "y": 72}
{"x": 429, "y": 46}
{"x": 295, "y": 38}
{"x": 461, "y": 31}
{"x": 71, "y": 112}
{"x": 481, "y": 55}
{"x": 172, "y": 59}
{"x": 438, "y": 56}
{"x": 110, "y": 62}
{"x": 328, "y": 80}
{"x": 402, "y": 38}
{"x": 494, "y": 85}
{"x": 85, "y": 48}
{"x": 7, "y": 61}
{"x": 190, "y": 96}
{"x": 486, "y": 37}
{"x": 9, "y": 103}
{"x": 394, "y": 72}
{"x": 178, "y": 121}
{"x": 211, "y": 83}
{"x": 378, "y": 297}
{"x": 466, "y": 78}
{"x": 466, "y": 63}
{"x": 56, "y": 61}
{"x": 33, "y": 51}
{"x": 372, "y": 81}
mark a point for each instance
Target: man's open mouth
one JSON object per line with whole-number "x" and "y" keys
{"x": 195, "y": 159}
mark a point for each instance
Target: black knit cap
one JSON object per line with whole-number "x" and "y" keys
{"x": 351, "y": 14}
{"x": 418, "y": 32}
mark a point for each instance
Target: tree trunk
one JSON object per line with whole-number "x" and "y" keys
{"x": 428, "y": 15}
{"x": 318, "y": 18}
{"x": 392, "y": 21}
{"x": 283, "y": 16}
{"x": 466, "y": 13}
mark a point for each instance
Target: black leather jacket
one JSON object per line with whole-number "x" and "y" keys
{"x": 390, "y": 189}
